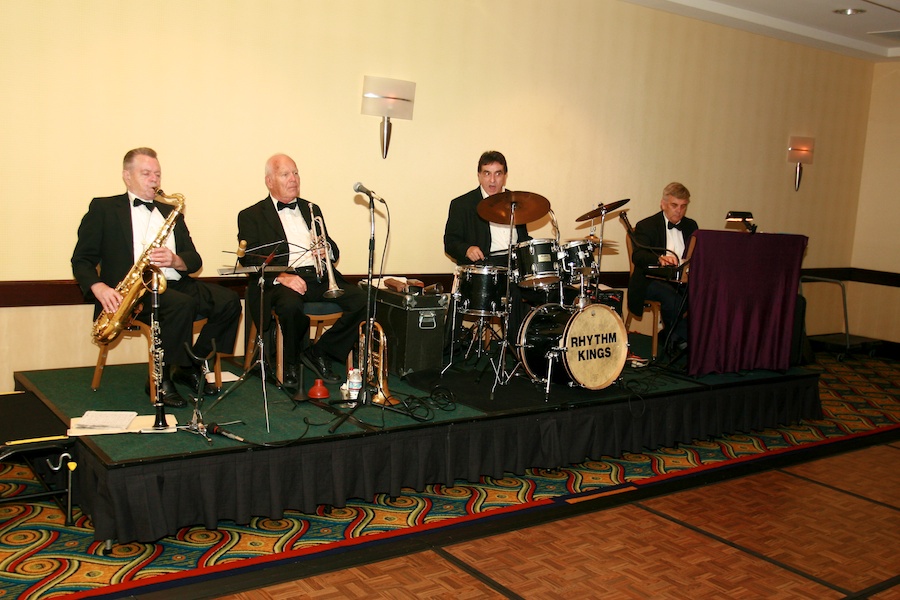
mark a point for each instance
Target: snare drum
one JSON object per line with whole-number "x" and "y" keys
{"x": 481, "y": 290}
{"x": 586, "y": 346}
{"x": 537, "y": 263}
{"x": 577, "y": 259}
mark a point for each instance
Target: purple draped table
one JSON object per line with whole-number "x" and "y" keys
{"x": 742, "y": 292}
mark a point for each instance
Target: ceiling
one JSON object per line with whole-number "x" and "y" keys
{"x": 872, "y": 35}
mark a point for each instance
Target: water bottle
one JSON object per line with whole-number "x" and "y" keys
{"x": 354, "y": 383}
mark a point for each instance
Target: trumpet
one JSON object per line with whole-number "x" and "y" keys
{"x": 378, "y": 368}
{"x": 320, "y": 244}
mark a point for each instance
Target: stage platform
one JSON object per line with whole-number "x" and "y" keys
{"x": 141, "y": 487}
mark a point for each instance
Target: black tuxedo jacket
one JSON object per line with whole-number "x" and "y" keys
{"x": 261, "y": 228}
{"x": 104, "y": 250}
{"x": 466, "y": 228}
{"x": 649, "y": 242}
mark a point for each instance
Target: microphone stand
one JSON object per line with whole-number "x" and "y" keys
{"x": 364, "y": 391}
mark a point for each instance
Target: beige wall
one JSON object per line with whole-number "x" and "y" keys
{"x": 591, "y": 101}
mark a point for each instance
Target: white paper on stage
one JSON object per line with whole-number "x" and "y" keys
{"x": 135, "y": 424}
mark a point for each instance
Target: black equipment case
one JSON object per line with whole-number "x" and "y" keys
{"x": 414, "y": 327}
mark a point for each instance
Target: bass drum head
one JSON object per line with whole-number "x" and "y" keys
{"x": 596, "y": 345}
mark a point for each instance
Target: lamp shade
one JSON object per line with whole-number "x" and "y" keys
{"x": 800, "y": 150}
{"x": 391, "y": 98}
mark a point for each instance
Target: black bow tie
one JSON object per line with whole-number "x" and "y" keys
{"x": 282, "y": 205}
{"x": 139, "y": 202}
{"x": 679, "y": 225}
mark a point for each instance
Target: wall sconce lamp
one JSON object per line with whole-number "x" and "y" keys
{"x": 736, "y": 216}
{"x": 800, "y": 151}
{"x": 388, "y": 98}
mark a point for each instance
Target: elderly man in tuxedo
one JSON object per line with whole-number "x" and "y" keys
{"x": 662, "y": 239}
{"x": 281, "y": 226}
{"x": 114, "y": 234}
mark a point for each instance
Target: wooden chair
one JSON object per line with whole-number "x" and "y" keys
{"x": 321, "y": 315}
{"x": 141, "y": 328}
{"x": 652, "y": 305}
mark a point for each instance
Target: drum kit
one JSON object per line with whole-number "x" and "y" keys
{"x": 569, "y": 337}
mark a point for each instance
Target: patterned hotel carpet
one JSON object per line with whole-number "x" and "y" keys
{"x": 42, "y": 558}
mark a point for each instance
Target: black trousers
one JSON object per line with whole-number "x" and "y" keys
{"x": 339, "y": 339}
{"x": 673, "y": 308}
{"x": 186, "y": 301}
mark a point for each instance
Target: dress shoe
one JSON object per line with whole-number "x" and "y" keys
{"x": 290, "y": 382}
{"x": 319, "y": 365}
{"x": 192, "y": 377}
{"x": 169, "y": 395}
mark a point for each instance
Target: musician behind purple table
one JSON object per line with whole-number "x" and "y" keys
{"x": 470, "y": 239}
{"x": 662, "y": 240}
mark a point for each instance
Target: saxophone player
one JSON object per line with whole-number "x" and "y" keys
{"x": 287, "y": 225}
{"x": 114, "y": 233}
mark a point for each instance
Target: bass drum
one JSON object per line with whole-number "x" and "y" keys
{"x": 591, "y": 343}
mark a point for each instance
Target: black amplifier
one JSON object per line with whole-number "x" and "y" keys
{"x": 414, "y": 327}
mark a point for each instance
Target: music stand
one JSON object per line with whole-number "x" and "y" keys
{"x": 259, "y": 353}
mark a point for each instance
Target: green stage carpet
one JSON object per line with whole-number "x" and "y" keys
{"x": 40, "y": 557}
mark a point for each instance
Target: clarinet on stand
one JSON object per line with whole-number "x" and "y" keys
{"x": 156, "y": 353}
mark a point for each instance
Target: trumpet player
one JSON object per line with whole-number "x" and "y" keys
{"x": 292, "y": 232}
{"x": 116, "y": 231}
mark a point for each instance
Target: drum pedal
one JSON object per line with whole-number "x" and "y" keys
{"x": 637, "y": 362}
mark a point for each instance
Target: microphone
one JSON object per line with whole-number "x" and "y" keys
{"x": 242, "y": 249}
{"x": 214, "y": 428}
{"x": 359, "y": 188}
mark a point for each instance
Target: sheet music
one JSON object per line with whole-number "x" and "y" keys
{"x": 107, "y": 419}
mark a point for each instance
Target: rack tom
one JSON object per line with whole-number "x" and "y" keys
{"x": 537, "y": 263}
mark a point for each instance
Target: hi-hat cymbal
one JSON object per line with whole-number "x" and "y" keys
{"x": 529, "y": 207}
{"x": 602, "y": 209}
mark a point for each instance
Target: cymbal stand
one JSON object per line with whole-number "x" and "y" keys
{"x": 501, "y": 375}
{"x": 583, "y": 300}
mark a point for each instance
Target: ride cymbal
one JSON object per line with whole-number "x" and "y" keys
{"x": 602, "y": 209}
{"x": 529, "y": 207}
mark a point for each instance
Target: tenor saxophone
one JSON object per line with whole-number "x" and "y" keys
{"x": 109, "y": 325}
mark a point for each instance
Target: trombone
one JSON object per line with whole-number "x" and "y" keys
{"x": 321, "y": 246}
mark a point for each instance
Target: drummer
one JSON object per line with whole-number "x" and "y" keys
{"x": 470, "y": 239}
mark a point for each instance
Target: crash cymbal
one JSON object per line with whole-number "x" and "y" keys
{"x": 602, "y": 209}
{"x": 529, "y": 207}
